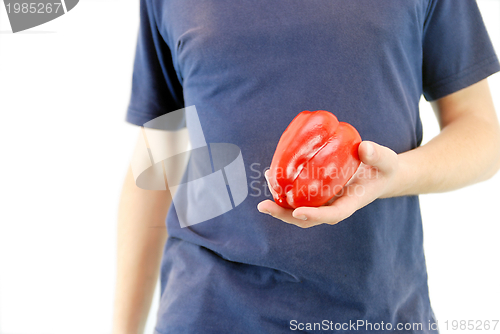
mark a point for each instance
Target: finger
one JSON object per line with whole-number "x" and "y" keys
{"x": 266, "y": 176}
{"x": 341, "y": 209}
{"x": 324, "y": 215}
{"x": 283, "y": 214}
{"x": 378, "y": 156}
{"x": 266, "y": 206}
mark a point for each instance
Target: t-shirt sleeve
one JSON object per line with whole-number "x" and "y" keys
{"x": 457, "y": 51}
{"x": 156, "y": 89}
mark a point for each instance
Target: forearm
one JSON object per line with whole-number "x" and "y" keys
{"x": 140, "y": 240}
{"x": 466, "y": 151}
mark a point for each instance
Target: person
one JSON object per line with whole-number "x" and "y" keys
{"x": 249, "y": 68}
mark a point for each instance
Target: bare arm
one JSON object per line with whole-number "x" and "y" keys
{"x": 141, "y": 233}
{"x": 466, "y": 151}
{"x": 140, "y": 238}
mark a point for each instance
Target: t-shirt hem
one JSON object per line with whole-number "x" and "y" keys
{"x": 463, "y": 79}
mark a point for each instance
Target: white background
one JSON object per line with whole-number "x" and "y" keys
{"x": 64, "y": 88}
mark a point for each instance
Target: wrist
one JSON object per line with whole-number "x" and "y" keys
{"x": 402, "y": 182}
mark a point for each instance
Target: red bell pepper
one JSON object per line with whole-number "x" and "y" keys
{"x": 314, "y": 159}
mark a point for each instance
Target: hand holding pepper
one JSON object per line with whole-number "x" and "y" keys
{"x": 335, "y": 141}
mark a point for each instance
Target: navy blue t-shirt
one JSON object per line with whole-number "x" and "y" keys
{"x": 250, "y": 67}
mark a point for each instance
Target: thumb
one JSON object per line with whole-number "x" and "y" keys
{"x": 377, "y": 156}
